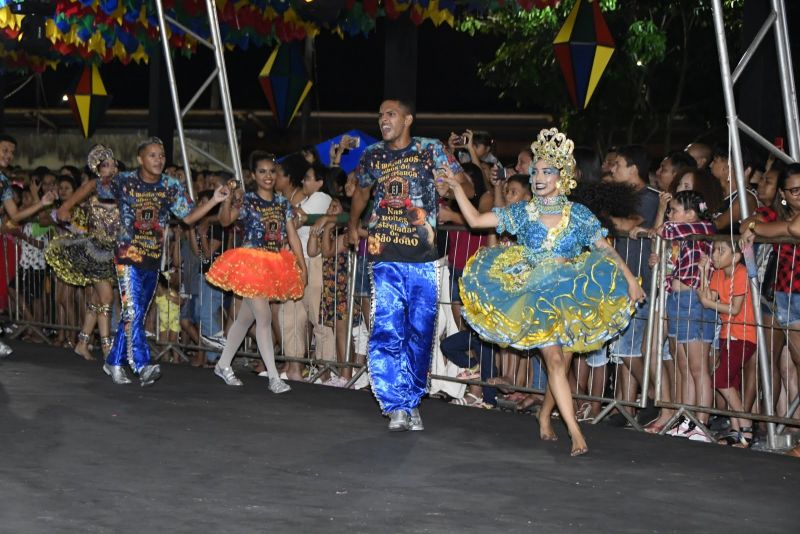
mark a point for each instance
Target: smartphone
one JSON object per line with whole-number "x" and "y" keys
{"x": 779, "y": 143}
{"x": 500, "y": 172}
{"x": 459, "y": 140}
{"x": 350, "y": 142}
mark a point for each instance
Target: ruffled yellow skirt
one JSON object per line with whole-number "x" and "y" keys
{"x": 579, "y": 304}
{"x": 257, "y": 273}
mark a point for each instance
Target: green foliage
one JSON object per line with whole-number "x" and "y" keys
{"x": 662, "y": 69}
{"x": 646, "y": 43}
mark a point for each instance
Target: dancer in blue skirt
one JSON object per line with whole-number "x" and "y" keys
{"x": 562, "y": 289}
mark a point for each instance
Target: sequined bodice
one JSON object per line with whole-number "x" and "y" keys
{"x": 103, "y": 220}
{"x": 577, "y": 230}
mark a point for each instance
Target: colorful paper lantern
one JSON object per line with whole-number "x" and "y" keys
{"x": 285, "y": 82}
{"x": 583, "y": 48}
{"x": 89, "y": 100}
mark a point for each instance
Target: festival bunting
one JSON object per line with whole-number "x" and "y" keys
{"x": 84, "y": 31}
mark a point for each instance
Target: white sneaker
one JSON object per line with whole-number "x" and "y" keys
{"x": 227, "y": 374}
{"x": 695, "y": 434}
{"x": 214, "y": 342}
{"x": 278, "y": 386}
{"x": 679, "y": 431}
{"x": 336, "y": 382}
{"x": 5, "y": 350}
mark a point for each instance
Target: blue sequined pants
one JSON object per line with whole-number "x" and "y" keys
{"x": 136, "y": 290}
{"x": 404, "y": 308}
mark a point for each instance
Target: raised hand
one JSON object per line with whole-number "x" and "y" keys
{"x": 48, "y": 198}
{"x": 221, "y": 193}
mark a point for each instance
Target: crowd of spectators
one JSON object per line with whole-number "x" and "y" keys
{"x": 677, "y": 197}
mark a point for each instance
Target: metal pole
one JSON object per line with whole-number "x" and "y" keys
{"x": 648, "y": 351}
{"x": 173, "y": 89}
{"x": 787, "y": 80}
{"x": 738, "y": 169}
{"x": 351, "y": 299}
{"x": 225, "y": 94}
{"x": 751, "y": 50}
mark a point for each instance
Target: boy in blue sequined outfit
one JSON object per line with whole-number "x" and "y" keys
{"x": 145, "y": 198}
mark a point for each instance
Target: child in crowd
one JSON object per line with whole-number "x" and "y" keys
{"x": 206, "y": 239}
{"x": 333, "y": 246}
{"x": 727, "y": 292}
{"x": 689, "y": 323}
{"x": 168, "y": 304}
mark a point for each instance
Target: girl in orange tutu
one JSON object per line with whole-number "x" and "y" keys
{"x": 261, "y": 270}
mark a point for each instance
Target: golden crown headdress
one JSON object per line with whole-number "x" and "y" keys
{"x": 97, "y": 155}
{"x": 556, "y": 149}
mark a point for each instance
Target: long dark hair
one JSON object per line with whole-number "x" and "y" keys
{"x": 693, "y": 200}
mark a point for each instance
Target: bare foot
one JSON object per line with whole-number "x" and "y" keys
{"x": 579, "y": 448}
{"x": 546, "y": 432}
{"x": 656, "y": 426}
{"x": 82, "y": 350}
{"x": 528, "y": 402}
{"x": 502, "y": 383}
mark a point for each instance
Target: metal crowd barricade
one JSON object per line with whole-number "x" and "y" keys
{"x": 32, "y": 307}
{"x": 764, "y": 360}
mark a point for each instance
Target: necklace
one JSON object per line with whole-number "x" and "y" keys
{"x": 539, "y": 206}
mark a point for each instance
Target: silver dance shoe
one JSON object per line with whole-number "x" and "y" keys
{"x": 398, "y": 421}
{"x": 5, "y": 350}
{"x": 149, "y": 374}
{"x": 227, "y": 374}
{"x": 415, "y": 420}
{"x": 117, "y": 373}
{"x": 276, "y": 385}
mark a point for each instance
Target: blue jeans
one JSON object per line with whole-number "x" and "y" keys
{"x": 456, "y": 349}
{"x": 208, "y": 310}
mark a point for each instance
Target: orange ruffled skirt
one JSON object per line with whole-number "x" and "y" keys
{"x": 257, "y": 273}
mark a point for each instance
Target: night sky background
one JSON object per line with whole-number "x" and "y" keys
{"x": 349, "y": 75}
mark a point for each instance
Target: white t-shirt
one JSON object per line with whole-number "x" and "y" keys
{"x": 316, "y": 204}
{"x": 32, "y": 257}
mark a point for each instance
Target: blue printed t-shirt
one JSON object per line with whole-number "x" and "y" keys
{"x": 6, "y": 193}
{"x": 402, "y": 225}
{"x": 144, "y": 213}
{"x": 264, "y": 221}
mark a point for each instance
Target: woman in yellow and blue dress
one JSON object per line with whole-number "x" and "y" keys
{"x": 562, "y": 289}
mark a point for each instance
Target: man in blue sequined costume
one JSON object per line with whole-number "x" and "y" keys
{"x": 399, "y": 174}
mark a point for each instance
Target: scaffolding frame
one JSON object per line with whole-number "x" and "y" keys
{"x": 776, "y": 21}
{"x": 219, "y": 73}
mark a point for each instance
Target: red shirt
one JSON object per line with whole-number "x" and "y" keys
{"x": 787, "y": 277}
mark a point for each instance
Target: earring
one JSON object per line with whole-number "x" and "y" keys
{"x": 783, "y": 202}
